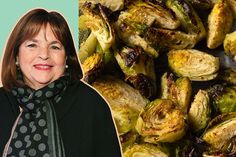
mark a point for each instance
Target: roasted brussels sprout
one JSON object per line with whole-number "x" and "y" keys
{"x": 220, "y": 22}
{"x": 223, "y": 97}
{"x": 92, "y": 67}
{"x": 146, "y": 150}
{"x": 128, "y": 139}
{"x": 221, "y": 134}
{"x": 95, "y": 18}
{"x": 229, "y": 75}
{"x": 114, "y": 5}
{"x": 126, "y": 102}
{"x": 161, "y": 121}
{"x": 194, "y": 64}
{"x": 149, "y": 13}
{"x": 178, "y": 91}
{"x": 203, "y": 4}
{"x": 164, "y": 39}
{"x": 87, "y": 48}
{"x": 138, "y": 69}
{"x": 188, "y": 17}
{"x": 132, "y": 34}
{"x": 230, "y": 45}
{"x": 232, "y": 4}
{"x": 188, "y": 146}
{"x": 200, "y": 111}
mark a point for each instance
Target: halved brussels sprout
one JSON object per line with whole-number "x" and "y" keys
{"x": 126, "y": 102}
{"x": 138, "y": 69}
{"x": 230, "y": 45}
{"x": 194, "y": 64}
{"x": 220, "y": 22}
{"x": 221, "y": 132}
{"x": 188, "y": 17}
{"x": 161, "y": 121}
{"x": 132, "y": 34}
{"x": 95, "y": 18}
{"x": 149, "y": 13}
{"x": 114, "y": 5}
{"x": 200, "y": 111}
{"x": 146, "y": 150}
{"x": 88, "y": 47}
{"x": 92, "y": 67}
{"x": 232, "y": 4}
{"x": 204, "y": 4}
{"x": 164, "y": 39}
{"x": 229, "y": 75}
{"x": 223, "y": 97}
{"x": 128, "y": 139}
{"x": 178, "y": 91}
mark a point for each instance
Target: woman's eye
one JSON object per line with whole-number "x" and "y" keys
{"x": 55, "y": 47}
{"x": 31, "y": 45}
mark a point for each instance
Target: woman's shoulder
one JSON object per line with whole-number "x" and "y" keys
{"x": 3, "y": 94}
{"x": 81, "y": 88}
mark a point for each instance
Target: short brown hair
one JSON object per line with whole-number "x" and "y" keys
{"x": 29, "y": 26}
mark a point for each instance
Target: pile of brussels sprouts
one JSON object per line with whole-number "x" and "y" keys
{"x": 168, "y": 71}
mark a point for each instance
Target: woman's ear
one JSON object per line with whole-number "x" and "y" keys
{"x": 17, "y": 61}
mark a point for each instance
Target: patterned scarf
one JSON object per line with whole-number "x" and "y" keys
{"x": 36, "y": 132}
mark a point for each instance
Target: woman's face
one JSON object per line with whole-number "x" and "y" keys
{"x": 42, "y": 59}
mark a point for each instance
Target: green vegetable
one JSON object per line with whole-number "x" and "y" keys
{"x": 220, "y": 133}
{"x": 138, "y": 69}
{"x": 126, "y": 102}
{"x": 178, "y": 91}
{"x": 146, "y": 150}
{"x": 95, "y": 18}
{"x": 161, "y": 121}
{"x": 152, "y": 13}
{"x": 188, "y": 17}
{"x": 194, "y": 64}
{"x": 200, "y": 111}
{"x": 220, "y": 22}
{"x": 223, "y": 97}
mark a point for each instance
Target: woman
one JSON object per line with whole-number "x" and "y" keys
{"x": 45, "y": 109}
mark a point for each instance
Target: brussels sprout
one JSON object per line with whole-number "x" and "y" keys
{"x": 188, "y": 17}
{"x": 189, "y": 146}
{"x": 126, "y": 102}
{"x": 125, "y": 117}
{"x": 220, "y": 22}
{"x": 132, "y": 34}
{"x": 128, "y": 139}
{"x": 178, "y": 91}
{"x": 114, "y": 5}
{"x": 165, "y": 39}
{"x": 200, "y": 111}
{"x": 230, "y": 44}
{"x": 194, "y": 64}
{"x": 138, "y": 69}
{"x": 223, "y": 97}
{"x": 232, "y": 4}
{"x": 92, "y": 67}
{"x": 146, "y": 150}
{"x": 161, "y": 121}
{"x": 204, "y": 4}
{"x": 87, "y": 48}
{"x": 229, "y": 75}
{"x": 220, "y": 133}
{"x": 149, "y": 13}
{"x": 95, "y": 18}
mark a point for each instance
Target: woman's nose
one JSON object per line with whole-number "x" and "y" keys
{"x": 44, "y": 53}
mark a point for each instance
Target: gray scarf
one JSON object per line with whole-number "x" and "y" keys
{"x": 36, "y": 132}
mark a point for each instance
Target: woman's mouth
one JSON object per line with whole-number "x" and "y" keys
{"x": 43, "y": 66}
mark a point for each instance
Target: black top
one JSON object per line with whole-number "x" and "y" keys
{"x": 84, "y": 120}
